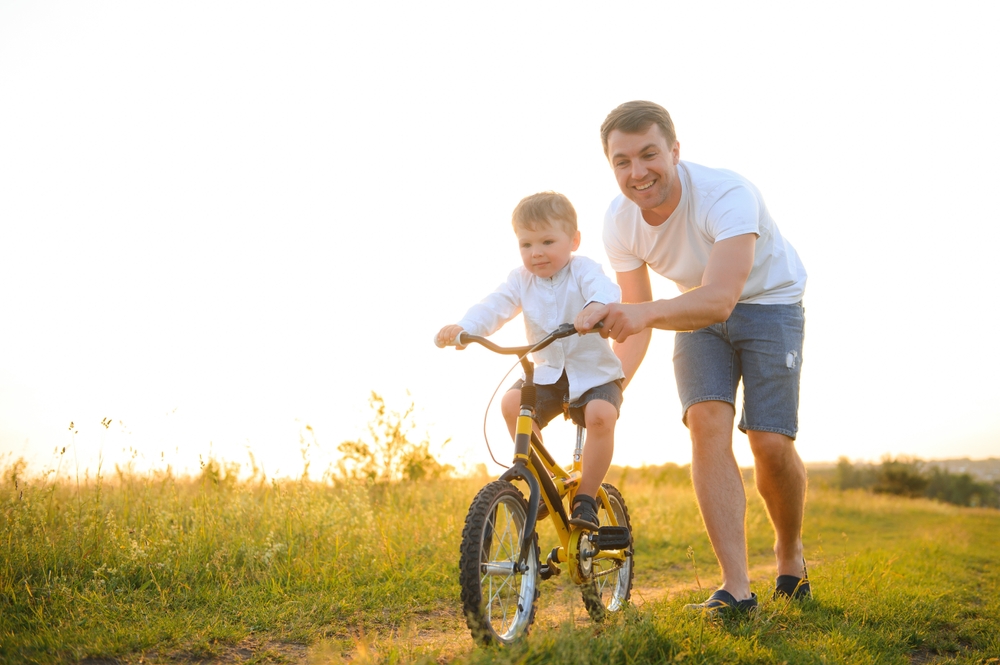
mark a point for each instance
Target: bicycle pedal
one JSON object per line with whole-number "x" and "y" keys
{"x": 611, "y": 538}
{"x": 551, "y": 567}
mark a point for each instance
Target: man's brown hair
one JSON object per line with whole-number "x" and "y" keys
{"x": 635, "y": 118}
{"x": 545, "y": 209}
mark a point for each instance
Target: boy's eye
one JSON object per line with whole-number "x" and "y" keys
{"x": 548, "y": 242}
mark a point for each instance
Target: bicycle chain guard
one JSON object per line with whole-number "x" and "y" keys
{"x": 580, "y": 556}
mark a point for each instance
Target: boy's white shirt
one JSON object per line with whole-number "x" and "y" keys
{"x": 548, "y": 302}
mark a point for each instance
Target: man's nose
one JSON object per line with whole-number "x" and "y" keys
{"x": 639, "y": 170}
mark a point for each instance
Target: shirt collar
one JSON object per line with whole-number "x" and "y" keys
{"x": 560, "y": 276}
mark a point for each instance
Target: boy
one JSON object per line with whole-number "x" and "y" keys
{"x": 551, "y": 288}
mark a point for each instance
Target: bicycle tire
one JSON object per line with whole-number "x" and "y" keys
{"x": 498, "y": 599}
{"x": 612, "y": 586}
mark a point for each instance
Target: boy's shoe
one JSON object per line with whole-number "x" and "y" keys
{"x": 724, "y": 603}
{"x": 790, "y": 586}
{"x": 585, "y": 513}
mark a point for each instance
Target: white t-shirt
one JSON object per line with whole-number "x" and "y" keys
{"x": 547, "y": 303}
{"x": 715, "y": 204}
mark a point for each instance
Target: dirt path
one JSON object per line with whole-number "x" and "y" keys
{"x": 442, "y": 630}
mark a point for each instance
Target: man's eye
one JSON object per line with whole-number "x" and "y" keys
{"x": 548, "y": 242}
{"x": 618, "y": 165}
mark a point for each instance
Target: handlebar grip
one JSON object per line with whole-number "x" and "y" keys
{"x": 567, "y": 329}
{"x": 455, "y": 342}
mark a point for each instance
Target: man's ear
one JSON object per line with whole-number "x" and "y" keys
{"x": 575, "y": 244}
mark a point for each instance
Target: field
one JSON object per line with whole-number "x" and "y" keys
{"x": 159, "y": 569}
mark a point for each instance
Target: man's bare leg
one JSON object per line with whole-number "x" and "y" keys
{"x": 781, "y": 481}
{"x": 719, "y": 488}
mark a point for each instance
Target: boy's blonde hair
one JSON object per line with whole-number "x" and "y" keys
{"x": 545, "y": 209}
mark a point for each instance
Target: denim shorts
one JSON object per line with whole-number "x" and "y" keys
{"x": 762, "y": 344}
{"x": 553, "y": 399}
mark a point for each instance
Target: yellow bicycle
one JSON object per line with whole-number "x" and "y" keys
{"x": 499, "y": 565}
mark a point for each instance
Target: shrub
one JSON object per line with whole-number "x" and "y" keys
{"x": 910, "y": 477}
{"x": 900, "y": 476}
{"x": 390, "y": 453}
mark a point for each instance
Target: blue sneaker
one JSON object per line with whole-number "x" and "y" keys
{"x": 790, "y": 586}
{"x": 723, "y": 602}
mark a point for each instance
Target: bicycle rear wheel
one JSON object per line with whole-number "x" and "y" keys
{"x": 498, "y": 593}
{"x": 612, "y": 585}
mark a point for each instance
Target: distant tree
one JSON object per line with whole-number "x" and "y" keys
{"x": 907, "y": 476}
{"x": 854, "y": 476}
{"x": 390, "y": 453}
{"x": 900, "y": 476}
{"x": 960, "y": 489}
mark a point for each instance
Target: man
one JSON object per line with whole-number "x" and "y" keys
{"x": 739, "y": 316}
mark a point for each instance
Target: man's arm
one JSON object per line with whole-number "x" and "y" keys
{"x": 635, "y": 288}
{"x": 722, "y": 284}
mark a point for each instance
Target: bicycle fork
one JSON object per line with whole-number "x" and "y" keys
{"x": 519, "y": 469}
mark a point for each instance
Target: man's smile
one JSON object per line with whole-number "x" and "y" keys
{"x": 645, "y": 186}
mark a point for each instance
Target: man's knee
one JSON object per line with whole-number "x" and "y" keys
{"x": 710, "y": 419}
{"x": 771, "y": 449}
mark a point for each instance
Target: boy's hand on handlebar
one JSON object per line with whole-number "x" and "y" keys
{"x": 589, "y": 317}
{"x": 448, "y": 335}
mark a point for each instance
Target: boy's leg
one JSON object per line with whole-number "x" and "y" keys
{"x": 510, "y": 407}
{"x": 600, "y": 418}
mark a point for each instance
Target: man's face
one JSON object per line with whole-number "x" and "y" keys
{"x": 547, "y": 249}
{"x": 646, "y": 170}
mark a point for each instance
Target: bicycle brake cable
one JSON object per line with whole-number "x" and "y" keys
{"x": 486, "y": 437}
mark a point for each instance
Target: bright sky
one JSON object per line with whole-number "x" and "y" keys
{"x": 223, "y": 221}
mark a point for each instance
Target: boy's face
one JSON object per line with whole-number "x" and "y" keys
{"x": 547, "y": 249}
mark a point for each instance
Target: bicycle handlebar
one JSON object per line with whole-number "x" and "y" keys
{"x": 565, "y": 330}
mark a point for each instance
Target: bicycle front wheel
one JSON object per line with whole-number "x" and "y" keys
{"x": 612, "y": 585}
{"x": 498, "y": 592}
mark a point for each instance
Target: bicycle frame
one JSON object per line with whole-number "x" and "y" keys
{"x": 547, "y": 480}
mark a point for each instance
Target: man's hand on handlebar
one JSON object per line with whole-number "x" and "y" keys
{"x": 620, "y": 321}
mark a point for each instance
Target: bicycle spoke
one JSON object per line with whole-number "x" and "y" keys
{"x": 505, "y": 589}
{"x": 503, "y": 599}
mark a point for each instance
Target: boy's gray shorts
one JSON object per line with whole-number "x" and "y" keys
{"x": 550, "y": 399}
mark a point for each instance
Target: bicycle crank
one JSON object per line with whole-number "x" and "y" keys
{"x": 584, "y": 546}
{"x": 581, "y": 556}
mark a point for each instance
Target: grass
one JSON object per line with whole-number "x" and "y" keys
{"x": 156, "y": 568}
